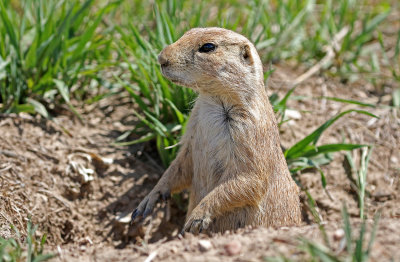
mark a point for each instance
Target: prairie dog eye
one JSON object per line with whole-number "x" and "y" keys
{"x": 206, "y": 48}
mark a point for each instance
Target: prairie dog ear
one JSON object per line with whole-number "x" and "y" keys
{"x": 246, "y": 54}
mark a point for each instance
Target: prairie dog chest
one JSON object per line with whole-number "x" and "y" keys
{"x": 212, "y": 143}
{"x": 213, "y": 123}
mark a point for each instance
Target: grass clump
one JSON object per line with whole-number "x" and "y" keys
{"x": 164, "y": 106}
{"x": 306, "y": 154}
{"x": 354, "y": 244}
{"x": 46, "y": 47}
{"x": 352, "y": 247}
{"x": 30, "y": 250}
{"x": 290, "y": 30}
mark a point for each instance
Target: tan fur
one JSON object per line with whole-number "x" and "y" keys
{"x": 230, "y": 156}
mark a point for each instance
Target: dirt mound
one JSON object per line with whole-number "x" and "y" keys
{"x": 68, "y": 177}
{"x": 258, "y": 244}
{"x": 71, "y": 181}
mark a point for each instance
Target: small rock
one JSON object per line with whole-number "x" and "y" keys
{"x": 204, "y": 245}
{"x": 293, "y": 114}
{"x": 124, "y": 218}
{"x": 25, "y": 116}
{"x": 233, "y": 248}
{"x": 338, "y": 235}
{"x": 174, "y": 250}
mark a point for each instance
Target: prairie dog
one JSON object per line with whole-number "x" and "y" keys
{"x": 230, "y": 157}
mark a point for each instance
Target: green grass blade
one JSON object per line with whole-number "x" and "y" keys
{"x": 396, "y": 97}
{"x": 373, "y": 233}
{"x": 145, "y": 138}
{"x": 157, "y": 123}
{"x": 62, "y": 89}
{"x": 347, "y": 228}
{"x": 320, "y": 252}
{"x": 348, "y": 101}
{"x": 312, "y": 206}
{"x": 358, "y": 252}
{"x": 42, "y": 242}
{"x": 281, "y": 105}
{"x": 9, "y": 28}
{"x": 362, "y": 177}
{"x": 152, "y": 126}
{"x": 26, "y": 108}
{"x": 88, "y": 35}
{"x": 159, "y": 23}
{"x": 64, "y": 92}
{"x": 378, "y": 19}
{"x": 323, "y": 178}
{"x": 39, "y": 108}
{"x": 43, "y": 257}
{"x": 314, "y": 136}
{"x": 143, "y": 106}
{"x": 29, "y": 243}
{"x": 180, "y": 117}
{"x": 397, "y": 46}
{"x": 162, "y": 143}
{"x": 328, "y": 149}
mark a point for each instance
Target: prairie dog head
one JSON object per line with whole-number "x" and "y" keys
{"x": 213, "y": 60}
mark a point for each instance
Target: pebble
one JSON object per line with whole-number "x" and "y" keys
{"x": 174, "y": 250}
{"x": 233, "y": 248}
{"x": 338, "y": 235}
{"x": 204, "y": 245}
{"x": 293, "y": 114}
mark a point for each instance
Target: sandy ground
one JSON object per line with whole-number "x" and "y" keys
{"x": 80, "y": 188}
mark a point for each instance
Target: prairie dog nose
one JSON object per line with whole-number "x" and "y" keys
{"x": 163, "y": 60}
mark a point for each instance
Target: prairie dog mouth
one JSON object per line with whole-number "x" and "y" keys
{"x": 173, "y": 77}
